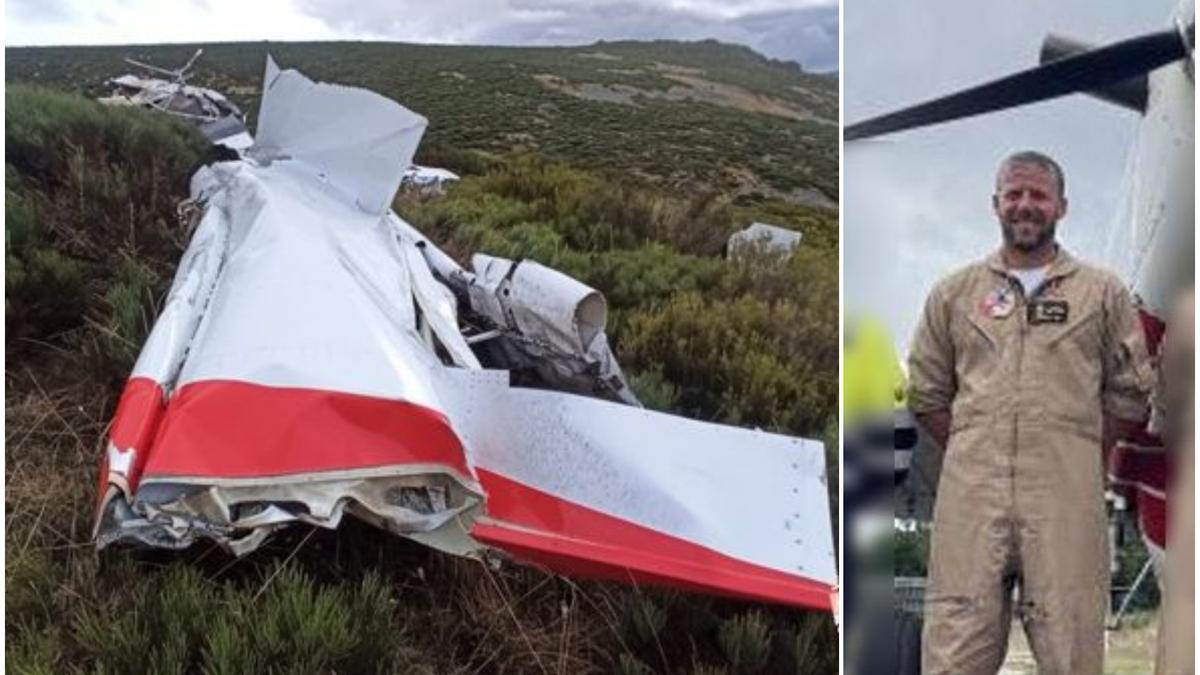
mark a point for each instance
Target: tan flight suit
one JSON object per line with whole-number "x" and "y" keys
{"x": 1175, "y": 401}
{"x": 1021, "y": 495}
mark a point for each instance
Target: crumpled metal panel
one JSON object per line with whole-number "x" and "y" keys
{"x": 539, "y": 302}
{"x": 353, "y": 139}
{"x": 239, "y": 516}
{"x": 552, "y": 324}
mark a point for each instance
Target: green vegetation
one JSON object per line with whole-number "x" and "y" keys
{"x": 488, "y": 99}
{"x": 91, "y": 241}
{"x": 744, "y": 640}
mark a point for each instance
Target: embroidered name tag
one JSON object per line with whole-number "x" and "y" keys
{"x": 1048, "y": 311}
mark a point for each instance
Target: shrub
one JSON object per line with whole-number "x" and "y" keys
{"x": 30, "y": 580}
{"x": 180, "y": 622}
{"x": 160, "y": 633}
{"x": 644, "y": 619}
{"x": 746, "y": 642}
{"x": 653, "y": 390}
{"x": 628, "y": 664}
{"x": 124, "y": 317}
{"x": 757, "y": 368}
{"x": 810, "y": 647}
{"x": 89, "y": 189}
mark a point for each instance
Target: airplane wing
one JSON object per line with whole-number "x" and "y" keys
{"x": 309, "y": 363}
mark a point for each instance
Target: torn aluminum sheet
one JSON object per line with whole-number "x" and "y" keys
{"x": 353, "y": 139}
{"x": 771, "y": 237}
{"x": 310, "y": 361}
{"x": 539, "y": 323}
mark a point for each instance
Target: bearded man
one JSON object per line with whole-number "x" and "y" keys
{"x": 1023, "y": 367}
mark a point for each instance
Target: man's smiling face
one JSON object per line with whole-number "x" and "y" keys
{"x": 1029, "y": 203}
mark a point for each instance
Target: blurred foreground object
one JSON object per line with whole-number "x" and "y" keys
{"x": 1176, "y": 405}
{"x": 880, "y": 436}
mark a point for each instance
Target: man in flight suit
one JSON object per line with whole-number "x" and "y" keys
{"x": 1023, "y": 366}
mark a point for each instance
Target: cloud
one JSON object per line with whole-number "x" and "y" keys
{"x": 77, "y": 22}
{"x": 804, "y": 32}
{"x": 808, "y": 36}
{"x": 37, "y": 10}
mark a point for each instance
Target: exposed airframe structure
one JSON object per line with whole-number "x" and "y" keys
{"x": 218, "y": 118}
{"x": 318, "y": 356}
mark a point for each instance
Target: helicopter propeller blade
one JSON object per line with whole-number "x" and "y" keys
{"x": 1090, "y": 70}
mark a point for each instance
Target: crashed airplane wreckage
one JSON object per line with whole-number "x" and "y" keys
{"x": 218, "y": 118}
{"x": 317, "y": 356}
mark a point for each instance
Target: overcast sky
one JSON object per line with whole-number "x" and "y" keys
{"x": 917, "y": 204}
{"x": 805, "y": 31}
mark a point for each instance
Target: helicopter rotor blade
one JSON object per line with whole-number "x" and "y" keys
{"x": 1090, "y": 70}
{"x": 190, "y": 61}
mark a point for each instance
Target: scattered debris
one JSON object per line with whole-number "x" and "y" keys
{"x": 217, "y": 117}
{"x": 427, "y": 178}
{"x": 771, "y": 237}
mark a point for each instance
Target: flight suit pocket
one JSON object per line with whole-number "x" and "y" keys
{"x": 1083, "y": 331}
{"x": 978, "y": 349}
{"x": 971, "y": 332}
{"x": 1069, "y": 371}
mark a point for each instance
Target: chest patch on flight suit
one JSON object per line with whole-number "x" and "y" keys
{"x": 999, "y": 303}
{"x": 1048, "y": 311}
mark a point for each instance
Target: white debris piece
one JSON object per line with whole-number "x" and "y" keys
{"x": 427, "y": 176}
{"x": 770, "y": 237}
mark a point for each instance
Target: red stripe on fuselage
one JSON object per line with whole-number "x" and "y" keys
{"x": 134, "y": 426}
{"x": 231, "y": 429}
{"x": 578, "y": 541}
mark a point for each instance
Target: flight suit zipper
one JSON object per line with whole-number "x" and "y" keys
{"x": 1022, "y": 316}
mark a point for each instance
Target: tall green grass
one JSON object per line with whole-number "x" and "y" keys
{"x": 89, "y": 213}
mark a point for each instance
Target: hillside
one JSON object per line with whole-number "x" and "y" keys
{"x": 92, "y": 240}
{"x": 678, "y": 112}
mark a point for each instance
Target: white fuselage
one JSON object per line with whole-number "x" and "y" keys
{"x": 1162, "y": 188}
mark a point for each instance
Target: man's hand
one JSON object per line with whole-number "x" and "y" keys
{"x": 937, "y": 425}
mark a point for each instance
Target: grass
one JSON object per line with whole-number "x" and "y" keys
{"x": 1130, "y": 650}
{"x": 91, "y": 242}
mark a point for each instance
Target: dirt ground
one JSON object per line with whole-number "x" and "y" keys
{"x": 1130, "y": 649}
